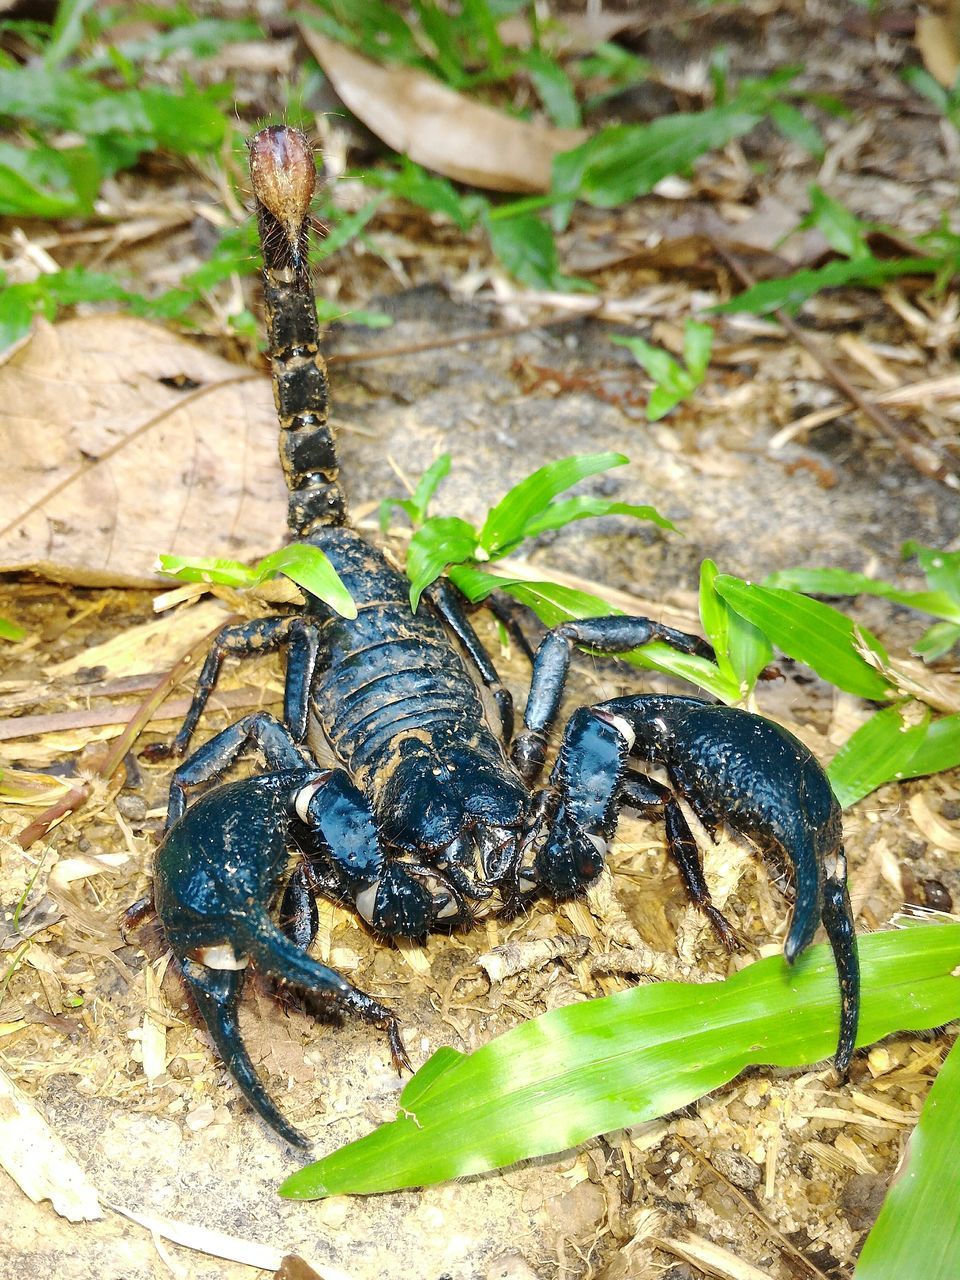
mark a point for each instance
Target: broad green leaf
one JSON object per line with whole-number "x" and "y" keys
{"x": 39, "y": 182}
{"x": 790, "y": 292}
{"x": 526, "y": 247}
{"x": 303, "y": 564}
{"x": 940, "y": 568}
{"x": 939, "y": 748}
{"x": 624, "y": 161}
{"x": 11, "y": 631}
{"x": 507, "y": 522}
{"x": 793, "y": 124}
{"x": 841, "y": 229}
{"x": 715, "y": 615}
{"x": 937, "y": 640}
{"x": 309, "y": 568}
{"x": 599, "y": 1065}
{"x": 553, "y": 89}
{"x": 697, "y": 345}
{"x": 559, "y": 514}
{"x": 880, "y": 751}
{"x": 918, "y": 1230}
{"x": 440, "y": 541}
{"x": 811, "y": 632}
{"x": 838, "y": 582}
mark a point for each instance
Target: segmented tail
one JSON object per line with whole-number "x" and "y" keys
{"x": 283, "y": 175}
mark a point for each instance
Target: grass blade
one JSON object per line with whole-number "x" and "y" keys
{"x": 507, "y": 522}
{"x": 918, "y": 1230}
{"x": 880, "y": 751}
{"x": 583, "y": 1070}
{"x": 838, "y": 582}
{"x": 811, "y": 632}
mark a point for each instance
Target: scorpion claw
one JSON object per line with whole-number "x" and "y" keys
{"x": 217, "y": 995}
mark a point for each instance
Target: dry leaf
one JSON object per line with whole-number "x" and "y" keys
{"x": 938, "y": 40}
{"x": 37, "y": 1160}
{"x": 107, "y": 465}
{"x": 421, "y": 118}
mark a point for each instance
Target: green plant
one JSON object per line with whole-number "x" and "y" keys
{"x": 673, "y": 381}
{"x": 585, "y": 1069}
{"x": 307, "y": 566}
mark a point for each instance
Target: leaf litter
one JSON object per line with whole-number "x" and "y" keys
{"x": 595, "y": 1204}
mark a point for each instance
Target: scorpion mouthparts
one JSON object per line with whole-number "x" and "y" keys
{"x": 283, "y": 175}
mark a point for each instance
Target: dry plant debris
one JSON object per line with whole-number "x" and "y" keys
{"x": 122, "y": 441}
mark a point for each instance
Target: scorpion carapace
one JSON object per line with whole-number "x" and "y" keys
{"x": 429, "y": 817}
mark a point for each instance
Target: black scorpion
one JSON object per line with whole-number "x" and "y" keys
{"x": 427, "y": 814}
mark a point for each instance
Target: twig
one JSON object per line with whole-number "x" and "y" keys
{"x": 735, "y": 1191}
{"x": 906, "y": 438}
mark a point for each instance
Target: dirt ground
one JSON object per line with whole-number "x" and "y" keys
{"x": 784, "y": 1171}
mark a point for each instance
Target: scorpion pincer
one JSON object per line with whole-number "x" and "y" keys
{"x": 428, "y": 812}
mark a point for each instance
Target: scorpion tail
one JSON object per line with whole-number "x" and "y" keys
{"x": 283, "y": 174}
{"x": 217, "y": 994}
{"x": 838, "y": 922}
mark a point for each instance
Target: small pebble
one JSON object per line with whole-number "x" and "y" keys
{"x": 736, "y": 1168}
{"x": 133, "y": 808}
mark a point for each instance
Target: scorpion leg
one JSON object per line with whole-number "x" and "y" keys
{"x": 245, "y": 640}
{"x": 654, "y": 800}
{"x": 617, "y": 634}
{"x": 448, "y": 602}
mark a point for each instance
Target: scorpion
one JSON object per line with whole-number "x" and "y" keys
{"x": 429, "y": 812}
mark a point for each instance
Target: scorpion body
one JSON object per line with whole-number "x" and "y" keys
{"x": 427, "y": 813}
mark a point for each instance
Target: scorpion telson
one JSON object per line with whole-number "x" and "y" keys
{"x": 429, "y": 816}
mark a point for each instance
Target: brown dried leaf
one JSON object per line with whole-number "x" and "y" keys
{"x": 107, "y": 465}
{"x": 417, "y": 115}
{"x": 938, "y": 40}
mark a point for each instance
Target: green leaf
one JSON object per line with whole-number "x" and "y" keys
{"x": 880, "y": 751}
{"x": 674, "y": 382}
{"x": 811, "y": 632}
{"x": 918, "y": 1230}
{"x": 553, "y": 89}
{"x": 416, "y": 506}
{"x": 715, "y": 615}
{"x": 839, "y": 582}
{"x": 301, "y": 563}
{"x": 939, "y": 748}
{"x": 937, "y": 640}
{"x": 526, "y": 247}
{"x": 790, "y": 292}
{"x": 793, "y": 124}
{"x": 506, "y": 523}
{"x": 841, "y": 229}
{"x": 940, "y": 568}
{"x": 11, "y": 631}
{"x": 559, "y": 514}
{"x": 600, "y": 1065}
{"x": 624, "y": 161}
{"x": 43, "y": 183}
{"x": 439, "y": 541}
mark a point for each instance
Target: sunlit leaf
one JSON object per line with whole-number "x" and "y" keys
{"x": 440, "y": 541}
{"x": 559, "y": 514}
{"x": 11, "y": 631}
{"x": 940, "y": 568}
{"x": 599, "y": 1065}
{"x": 937, "y": 640}
{"x": 303, "y": 564}
{"x": 811, "y": 632}
{"x": 839, "y": 582}
{"x": 918, "y": 1230}
{"x": 939, "y": 748}
{"x": 880, "y": 751}
{"x": 507, "y": 522}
